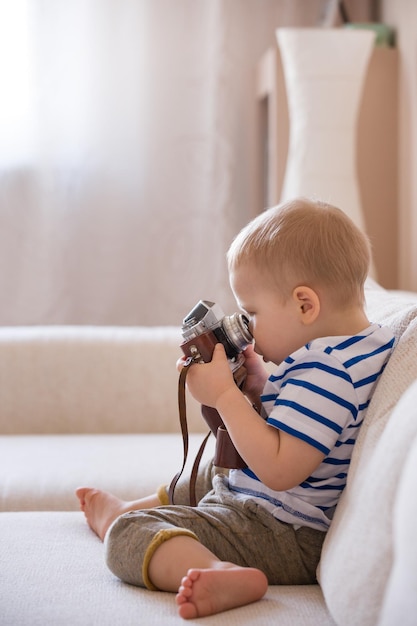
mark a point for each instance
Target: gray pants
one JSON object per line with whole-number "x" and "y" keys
{"x": 233, "y": 527}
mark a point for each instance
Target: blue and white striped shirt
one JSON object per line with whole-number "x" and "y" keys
{"x": 320, "y": 394}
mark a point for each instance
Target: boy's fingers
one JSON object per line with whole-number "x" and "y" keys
{"x": 218, "y": 348}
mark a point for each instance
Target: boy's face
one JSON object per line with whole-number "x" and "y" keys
{"x": 275, "y": 325}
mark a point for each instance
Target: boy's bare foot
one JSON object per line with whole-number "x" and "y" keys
{"x": 209, "y": 591}
{"x": 101, "y": 508}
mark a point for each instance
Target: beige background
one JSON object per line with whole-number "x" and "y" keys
{"x": 127, "y": 158}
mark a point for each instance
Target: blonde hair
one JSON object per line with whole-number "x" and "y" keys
{"x": 305, "y": 242}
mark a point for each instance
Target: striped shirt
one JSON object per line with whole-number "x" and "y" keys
{"x": 319, "y": 394}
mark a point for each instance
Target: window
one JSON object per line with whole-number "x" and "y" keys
{"x": 17, "y": 83}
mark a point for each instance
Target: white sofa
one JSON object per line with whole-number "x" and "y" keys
{"x": 97, "y": 406}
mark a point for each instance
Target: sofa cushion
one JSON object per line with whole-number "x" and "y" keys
{"x": 53, "y": 572}
{"x": 357, "y": 553}
{"x": 91, "y": 379}
{"x": 400, "y": 602}
{"x": 41, "y": 472}
{"x": 393, "y": 308}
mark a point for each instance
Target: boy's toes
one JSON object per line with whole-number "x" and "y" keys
{"x": 80, "y": 492}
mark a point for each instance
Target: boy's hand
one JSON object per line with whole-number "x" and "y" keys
{"x": 256, "y": 375}
{"x": 208, "y": 381}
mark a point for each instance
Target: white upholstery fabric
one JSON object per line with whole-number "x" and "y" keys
{"x": 67, "y": 379}
{"x": 53, "y": 573}
{"x": 394, "y": 308}
{"x": 357, "y": 553}
{"x": 69, "y": 396}
{"x": 400, "y": 602}
{"x": 41, "y": 472}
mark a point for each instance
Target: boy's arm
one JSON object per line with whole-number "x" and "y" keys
{"x": 280, "y": 460}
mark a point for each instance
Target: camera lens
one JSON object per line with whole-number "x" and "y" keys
{"x": 236, "y": 329}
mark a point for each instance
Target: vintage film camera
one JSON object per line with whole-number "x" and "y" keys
{"x": 202, "y": 328}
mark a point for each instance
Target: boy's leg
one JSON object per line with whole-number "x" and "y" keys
{"x": 101, "y": 508}
{"x": 226, "y": 525}
{"x": 203, "y": 485}
{"x": 205, "y": 584}
{"x": 145, "y": 549}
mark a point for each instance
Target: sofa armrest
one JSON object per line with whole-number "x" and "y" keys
{"x": 80, "y": 379}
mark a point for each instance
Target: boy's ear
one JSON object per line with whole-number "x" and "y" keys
{"x": 307, "y": 302}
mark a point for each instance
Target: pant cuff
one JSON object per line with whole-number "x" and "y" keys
{"x": 160, "y": 537}
{"x": 162, "y": 494}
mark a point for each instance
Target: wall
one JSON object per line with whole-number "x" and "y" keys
{"x": 402, "y": 16}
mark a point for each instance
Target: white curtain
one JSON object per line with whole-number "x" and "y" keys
{"x": 127, "y": 140}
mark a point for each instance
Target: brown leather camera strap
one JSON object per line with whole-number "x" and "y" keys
{"x": 182, "y": 409}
